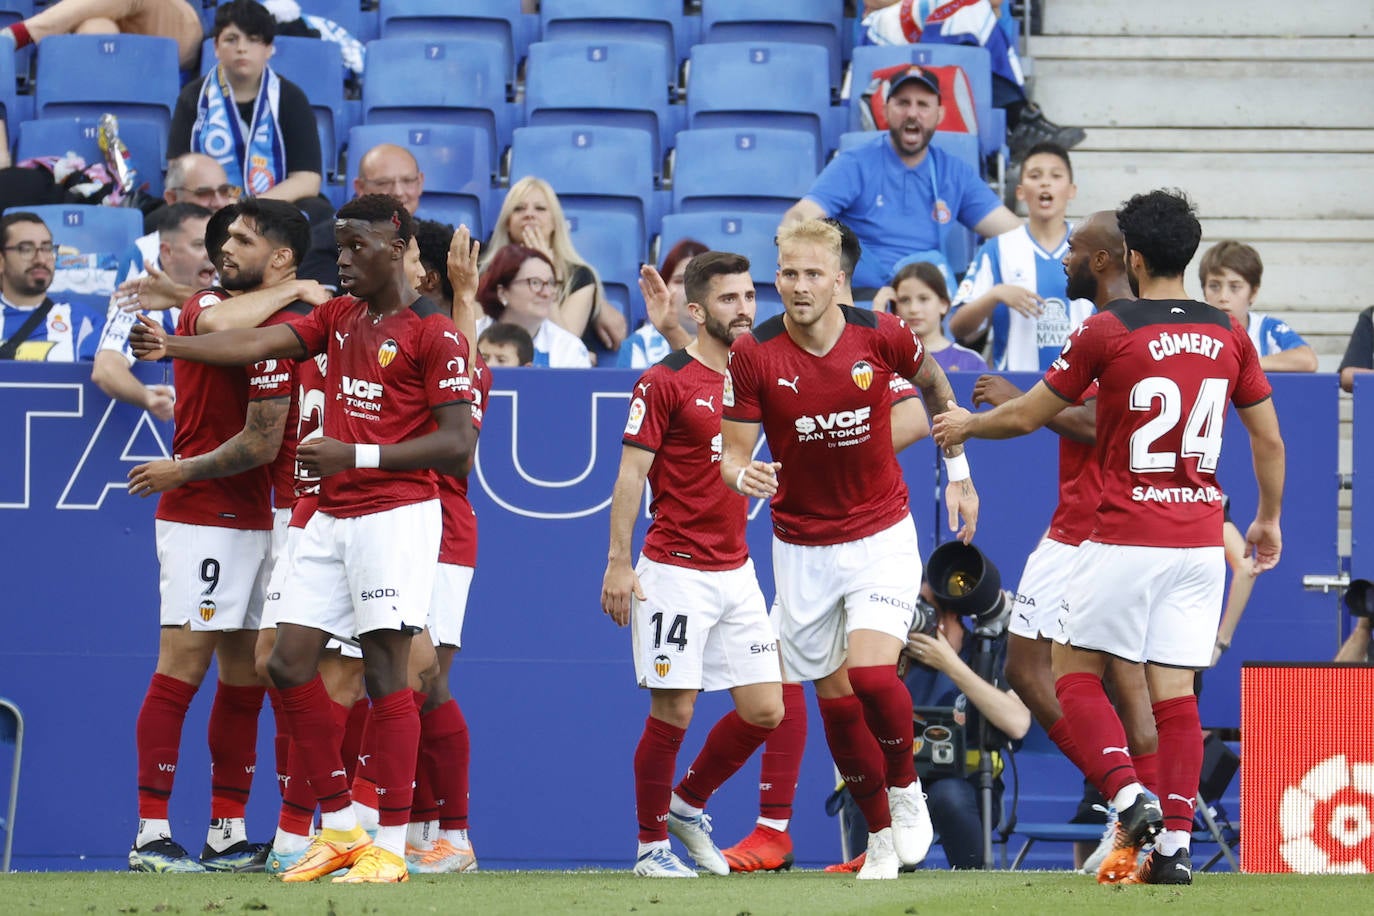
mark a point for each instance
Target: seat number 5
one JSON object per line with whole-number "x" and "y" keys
{"x": 1201, "y": 437}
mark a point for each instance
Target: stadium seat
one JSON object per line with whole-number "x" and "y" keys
{"x": 757, "y": 169}
{"x": 455, "y": 161}
{"x": 659, "y": 21}
{"x": 361, "y": 23}
{"x": 816, "y": 22}
{"x": 495, "y": 20}
{"x": 609, "y": 82}
{"x": 13, "y": 106}
{"x": 593, "y": 170}
{"x": 146, "y": 141}
{"x": 441, "y": 81}
{"x": 88, "y": 75}
{"x": 89, "y": 228}
{"x": 607, "y": 242}
{"x": 11, "y": 733}
{"x": 739, "y": 231}
{"x": 762, "y": 84}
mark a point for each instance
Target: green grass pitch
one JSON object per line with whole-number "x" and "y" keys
{"x": 606, "y": 892}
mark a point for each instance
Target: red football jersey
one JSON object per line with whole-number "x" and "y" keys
{"x": 698, "y": 521}
{"x": 285, "y": 485}
{"x": 1080, "y": 487}
{"x": 1165, "y": 370}
{"x": 459, "y": 543}
{"x": 212, "y": 402}
{"x": 828, "y": 420}
{"x": 385, "y": 379}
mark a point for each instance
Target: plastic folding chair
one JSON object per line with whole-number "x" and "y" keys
{"x": 89, "y": 228}
{"x": 146, "y": 141}
{"x": 88, "y": 75}
{"x": 494, "y": 20}
{"x": 659, "y": 21}
{"x": 816, "y": 22}
{"x": 759, "y": 169}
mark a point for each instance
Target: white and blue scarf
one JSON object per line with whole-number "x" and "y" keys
{"x": 253, "y": 156}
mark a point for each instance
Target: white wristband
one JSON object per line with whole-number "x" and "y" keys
{"x": 957, "y": 467}
{"x": 367, "y": 456}
{"x": 739, "y": 478}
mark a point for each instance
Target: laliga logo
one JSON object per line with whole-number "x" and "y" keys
{"x": 1327, "y": 817}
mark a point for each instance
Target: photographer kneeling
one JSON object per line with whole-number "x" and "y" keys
{"x": 955, "y": 676}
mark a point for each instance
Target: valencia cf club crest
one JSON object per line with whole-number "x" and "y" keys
{"x": 662, "y": 666}
{"x": 207, "y": 610}
{"x": 386, "y": 353}
{"x": 862, "y": 374}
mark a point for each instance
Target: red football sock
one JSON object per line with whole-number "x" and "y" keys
{"x": 446, "y": 754}
{"x": 730, "y": 742}
{"x": 316, "y": 735}
{"x": 655, "y": 761}
{"x": 355, "y": 723}
{"x": 297, "y": 801}
{"x": 782, "y": 756}
{"x": 281, "y": 741}
{"x": 364, "y": 779}
{"x": 233, "y": 733}
{"x": 158, "y": 737}
{"x": 1059, "y": 734}
{"x": 1097, "y": 732}
{"x": 1147, "y": 768}
{"x": 858, "y": 757}
{"x": 396, "y": 733}
{"x": 22, "y": 38}
{"x": 1180, "y": 759}
{"x": 887, "y": 710}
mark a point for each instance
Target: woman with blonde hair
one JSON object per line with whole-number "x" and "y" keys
{"x": 532, "y": 216}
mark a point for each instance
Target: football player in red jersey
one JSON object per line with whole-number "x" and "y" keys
{"x": 397, "y": 408}
{"x": 1149, "y": 580}
{"x": 214, "y": 528}
{"x": 699, "y": 620}
{"x": 846, "y": 557}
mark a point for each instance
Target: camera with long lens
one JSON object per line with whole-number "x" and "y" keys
{"x": 1359, "y": 598}
{"x": 966, "y": 582}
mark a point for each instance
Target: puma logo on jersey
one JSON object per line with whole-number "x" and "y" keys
{"x": 643, "y": 387}
{"x": 1187, "y": 801}
{"x": 1114, "y": 750}
{"x": 363, "y": 759}
{"x": 341, "y": 338}
{"x": 453, "y": 335}
{"x": 708, "y": 403}
{"x": 792, "y": 384}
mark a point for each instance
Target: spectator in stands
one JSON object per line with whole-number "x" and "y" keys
{"x": 433, "y": 239}
{"x": 898, "y": 22}
{"x": 1230, "y": 272}
{"x": 259, "y": 125}
{"x": 174, "y": 19}
{"x": 647, "y": 346}
{"x": 34, "y": 327}
{"x": 182, "y": 259}
{"x": 532, "y": 216}
{"x": 520, "y": 286}
{"x": 506, "y": 345}
{"x": 884, "y": 188}
{"x": 1016, "y": 285}
{"x": 1359, "y": 352}
{"x": 922, "y": 301}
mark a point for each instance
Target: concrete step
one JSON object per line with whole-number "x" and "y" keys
{"x": 1228, "y": 140}
{"x": 1249, "y": 185}
{"x": 1210, "y": 17}
{"x": 1210, "y": 94}
{"x": 1157, "y": 48}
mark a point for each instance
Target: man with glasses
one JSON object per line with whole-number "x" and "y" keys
{"x": 34, "y": 327}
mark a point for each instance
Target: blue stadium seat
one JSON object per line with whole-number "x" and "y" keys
{"x": 495, "y": 20}
{"x": 89, "y": 228}
{"x": 13, "y": 106}
{"x": 739, "y": 231}
{"x": 977, "y": 66}
{"x": 609, "y": 82}
{"x": 659, "y": 21}
{"x": 146, "y": 141}
{"x": 454, "y": 159}
{"x": 361, "y": 23}
{"x": 763, "y": 84}
{"x": 441, "y": 81}
{"x": 607, "y": 242}
{"x": 593, "y": 170}
{"x": 88, "y": 75}
{"x": 816, "y": 22}
{"x": 757, "y": 169}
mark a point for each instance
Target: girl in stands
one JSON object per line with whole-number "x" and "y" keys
{"x": 922, "y": 300}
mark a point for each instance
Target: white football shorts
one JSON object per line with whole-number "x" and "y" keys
{"x": 212, "y": 578}
{"x": 701, "y": 630}
{"x": 827, "y": 592}
{"x": 449, "y": 604}
{"x": 1147, "y": 604}
{"x": 1039, "y": 609}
